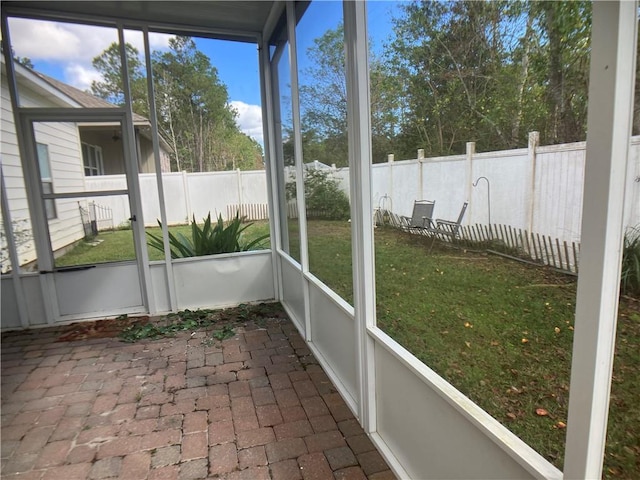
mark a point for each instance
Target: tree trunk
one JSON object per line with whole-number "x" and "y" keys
{"x": 554, "y": 93}
{"x": 515, "y": 130}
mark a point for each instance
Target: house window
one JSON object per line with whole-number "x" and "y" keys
{"x": 92, "y": 158}
{"x": 45, "y": 178}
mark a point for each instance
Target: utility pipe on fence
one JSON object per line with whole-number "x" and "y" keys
{"x": 475, "y": 184}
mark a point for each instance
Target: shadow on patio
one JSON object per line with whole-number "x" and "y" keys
{"x": 254, "y": 406}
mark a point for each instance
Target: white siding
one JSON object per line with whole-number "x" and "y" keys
{"x": 65, "y": 159}
{"x": 14, "y": 181}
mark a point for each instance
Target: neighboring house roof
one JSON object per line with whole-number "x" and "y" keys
{"x": 83, "y": 98}
{"x": 87, "y": 100}
{"x": 65, "y": 95}
{"x": 42, "y": 87}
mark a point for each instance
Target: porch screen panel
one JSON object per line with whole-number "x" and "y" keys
{"x": 211, "y": 163}
{"x": 455, "y": 93}
{"x": 68, "y": 65}
{"x": 93, "y": 230}
{"x": 285, "y": 147}
{"x": 323, "y": 110}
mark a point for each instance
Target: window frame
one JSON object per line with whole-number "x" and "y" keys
{"x": 92, "y": 160}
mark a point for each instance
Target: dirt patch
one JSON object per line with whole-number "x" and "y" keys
{"x": 107, "y": 328}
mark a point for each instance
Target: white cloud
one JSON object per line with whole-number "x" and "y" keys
{"x": 51, "y": 41}
{"x": 80, "y": 77}
{"x": 249, "y": 119}
{"x": 73, "y": 46}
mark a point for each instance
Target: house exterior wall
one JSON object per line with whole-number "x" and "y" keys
{"x": 65, "y": 158}
{"x": 111, "y": 150}
{"x": 147, "y": 161}
{"x": 112, "y": 153}
{"x": 14, "y": 180}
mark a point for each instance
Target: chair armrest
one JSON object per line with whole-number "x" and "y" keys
{"x": 447, "y": 226}
{"x": 440, "y": 221}
{"x": 427, "y": 222}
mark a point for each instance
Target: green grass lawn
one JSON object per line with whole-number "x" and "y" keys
{"x": 500, "y": 331}
{"x": 117, "y": 245}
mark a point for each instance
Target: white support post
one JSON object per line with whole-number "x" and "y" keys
{"x": 297, "y": 141}
{"x": 272, "y": 171}
{"x": 359, "y": 133}
{"x": 611, "y": 86}
{"x": 173, "y": 302}
{"x": 133, "y": 180}
{"x": 534, "y": 141}
{"x": 33, "y": 186}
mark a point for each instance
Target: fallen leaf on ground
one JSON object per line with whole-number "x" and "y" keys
{"x": 560, "y": 425}
{"x": 557, "y": 330}
{"x": 468, "y": 325}
{"x": 541, "y": 412}
{"x": 468, "y": 344}
{"x": 525, "y": 340}
{"x": 511, "y": 416}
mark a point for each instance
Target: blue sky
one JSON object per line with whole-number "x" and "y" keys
{"x": 65, "y": 51}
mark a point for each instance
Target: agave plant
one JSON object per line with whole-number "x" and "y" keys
{"x": 630, "y": 275}
{"x": 208, "y": 239}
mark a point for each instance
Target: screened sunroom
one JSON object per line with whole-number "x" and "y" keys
{"x": 330, "y": 277}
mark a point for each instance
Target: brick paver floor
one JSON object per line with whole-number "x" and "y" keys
{"x": 254, "y": 406}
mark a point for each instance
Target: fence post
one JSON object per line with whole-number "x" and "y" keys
{"x": 420, "y": 173}
{"x": 390, "y": 160}
{"x": 471, "y": 150}
{"x": 187, "y": 196}
{"x": 240, "y": 199}
{"x": 534, "y": 141}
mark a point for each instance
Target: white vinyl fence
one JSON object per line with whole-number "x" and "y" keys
{"x": 537, "y": 189}
{"x": 189, "y": 195}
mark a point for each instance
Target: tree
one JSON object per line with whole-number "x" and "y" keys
{"x": 490, "y": 72}
{"x": 193, "y": 106}
{"x": 457, "y": 80}
{"x": 110, "y": 88}
{"x": 563, "y": 66}
{"x": 192, "y": 103}
{"x": 323, "y": 99}
{"x": 25, "y": 62}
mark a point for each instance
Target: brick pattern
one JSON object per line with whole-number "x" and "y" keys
{"x": 255, "y": 406}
